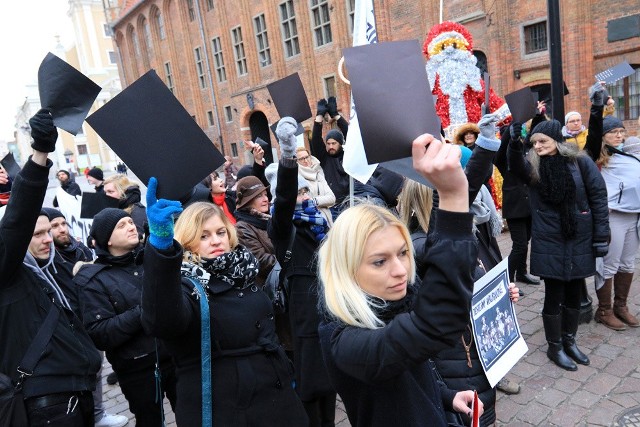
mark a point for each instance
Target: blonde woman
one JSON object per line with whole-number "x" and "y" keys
{"x": 128, "y": 194}
{"x": 251, "y": 380}
{"x": 380, "y": 330}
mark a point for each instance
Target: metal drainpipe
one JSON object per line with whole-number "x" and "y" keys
{"x": 205, "y": 45}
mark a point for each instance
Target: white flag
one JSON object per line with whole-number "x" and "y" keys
{"x": 355, "y": 159}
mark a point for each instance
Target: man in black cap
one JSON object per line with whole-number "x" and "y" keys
{"x": 59, "y": 387}
{"x": 111, "y": 292}
{"x": 67, "y": 185}
{"x": 95, "y": 177}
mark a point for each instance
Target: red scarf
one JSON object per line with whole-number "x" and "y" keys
{"x": 219, "y": 199}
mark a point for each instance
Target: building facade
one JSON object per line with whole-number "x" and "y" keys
{"x": 218, "y": 56}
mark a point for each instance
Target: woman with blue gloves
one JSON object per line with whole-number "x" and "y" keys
{"x": 249, "y": 380}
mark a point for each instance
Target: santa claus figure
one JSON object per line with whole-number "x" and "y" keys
{"x": 455, "y": 79}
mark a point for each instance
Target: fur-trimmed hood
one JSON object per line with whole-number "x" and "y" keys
{"x": 467, "y": 127}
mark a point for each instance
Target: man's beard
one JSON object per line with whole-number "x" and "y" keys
{"x": 456, "y": 70}
{"x": 62, "y": 241}
{"x": 337, "y": 153}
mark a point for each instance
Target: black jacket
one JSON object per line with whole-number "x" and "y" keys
{"x": 110, "y": 297}
{"x": 251, "y": 376}
{"x": 552, "y": 255}
{"x": 383, "y": 375}
{"x": 70, "y": 362}
{"x": 336, "y": 177}
{"x": 311, "y": 376}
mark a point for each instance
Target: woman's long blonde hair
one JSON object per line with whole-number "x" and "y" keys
{"x": 415, "y": 201}
{"x": 340, "y": 257}
{"x": 188, "y": 227}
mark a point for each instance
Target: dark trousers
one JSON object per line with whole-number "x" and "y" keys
{"x": 321, "y": 411}
{"x": 61, "y": 410}
{"x": 138, "y": 384}
{"x": 520, "y": 229}
{"x": 559, "y": 293}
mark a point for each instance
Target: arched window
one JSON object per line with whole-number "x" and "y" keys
{"x": 159, "y": 20}
{"x": 482, "y": 61}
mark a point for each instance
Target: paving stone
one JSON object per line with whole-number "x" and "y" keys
{"x": 584, "y": 398}
{"x": 565, "y": 415}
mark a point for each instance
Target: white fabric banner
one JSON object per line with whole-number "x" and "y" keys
{"x": 70, "y": 207}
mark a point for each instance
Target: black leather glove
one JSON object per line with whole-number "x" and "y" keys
{"x": 515, "y": 131}
{"x": 332, "y": 106}
{"x": 600, "y": 249}
{"x": 43, "y": 132}
{"x": 322, "y": 107}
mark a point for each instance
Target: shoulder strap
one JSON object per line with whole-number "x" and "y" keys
{"x": 205, "y": 349}
{"x": 289, "y": 251}
{"x": 38, "y": 345}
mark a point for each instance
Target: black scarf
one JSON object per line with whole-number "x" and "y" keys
{"x": 235, "y": 269}
{"x": 74, "y": 252}
{"x": 391, "y": 309}
{"x": 557, "y": 188}
{"x": 253, "y": 217}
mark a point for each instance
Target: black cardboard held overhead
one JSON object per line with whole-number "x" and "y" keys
{"x": 613, "y": 74}
{"x": 155, "y": 136}
{"x": 290, "y": 98}
{"x": 391, "y": 94}
{"x": 66, "y": 92}
{"x": 92, "y": 203}
{"x": 522, "y": 104}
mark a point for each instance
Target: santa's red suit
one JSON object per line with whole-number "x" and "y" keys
{"x": 455, "y": 79}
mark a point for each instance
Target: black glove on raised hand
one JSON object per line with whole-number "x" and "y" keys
{"x": 515, "y": 131}
{"x": 600, "y": 249}
{"x": 43, "y": 132}
{"x": 322, "y": 107}
{"x": 598, "y": 94}
{"x": 332, "y": 106}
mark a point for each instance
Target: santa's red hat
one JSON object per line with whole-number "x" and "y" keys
{"x": 446, "y": 34}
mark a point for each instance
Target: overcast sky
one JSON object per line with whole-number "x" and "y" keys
{"x": 27, "y": 32}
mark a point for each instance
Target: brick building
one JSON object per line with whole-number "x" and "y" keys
{"x": 218, "y": 56}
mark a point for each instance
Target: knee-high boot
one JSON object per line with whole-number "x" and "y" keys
{"x": 570, "y": 320}
{"x": 621, "y": 286}
{"x": 604, "y": 313}
{"x": 552, "y": 331}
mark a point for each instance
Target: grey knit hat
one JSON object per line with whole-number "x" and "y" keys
{"x": 610, "y": 123}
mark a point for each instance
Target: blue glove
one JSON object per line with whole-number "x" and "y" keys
{"x": 487, "y": 125}
{"x": 160, "y": 217}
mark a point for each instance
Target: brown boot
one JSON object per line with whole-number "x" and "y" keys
{"x": 622, "y": 284}
{"x": 604, "y": 313}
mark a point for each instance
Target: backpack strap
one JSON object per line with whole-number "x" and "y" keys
{"x": 205, "y": 350}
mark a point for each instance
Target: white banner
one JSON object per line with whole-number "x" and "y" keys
{"x": 355, "y": 159}
{"x": 70, "y": 207}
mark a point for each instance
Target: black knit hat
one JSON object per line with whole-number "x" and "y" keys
{"x": 551, "y": 128}
{"x": 103, "y": 224}
{"x": 247, "y": 189}
{"x": 97, "y": 174}
{"x": 51, "y": 213}
{"x": 610, "y": 123}
{"x": 335, "y": 134}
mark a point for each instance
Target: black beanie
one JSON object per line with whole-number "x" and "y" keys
{"x": 97, "y": 174}
{"x": 335, "y": 134}
{"x": 610, "y": 123}
{"x": 51, "y": 213}
{"x": 103, "y": 224}
{"x": 551, "y": 128}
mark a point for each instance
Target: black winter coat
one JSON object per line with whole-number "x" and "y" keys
{"x": 251, "y": 376}
{"x": 311, "y": 376}
{"x": 70, "y": 361}
{"x": 552, "y": 255}
{"x": 336, "y": 177}
{"x": 383, "y": 375}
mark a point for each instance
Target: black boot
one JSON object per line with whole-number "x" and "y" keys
{"x": 570, "y": 317}
{"x": 552, "y": 326}
{"x": 527, "y": 279}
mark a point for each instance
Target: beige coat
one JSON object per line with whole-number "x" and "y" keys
{"x": 319, "y": 187}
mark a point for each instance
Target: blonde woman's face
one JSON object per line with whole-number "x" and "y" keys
{"x": 214, "y": 238}
{"x": 111, "y": 190}
{"x": 384, "y": 270}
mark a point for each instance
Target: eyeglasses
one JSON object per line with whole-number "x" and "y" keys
{"x": 303, "y": 192}
{"x": 302, "y": 159}
{"x": 621, "y": 132}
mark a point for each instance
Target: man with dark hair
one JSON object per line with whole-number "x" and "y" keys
{"x": 67, "y": 184}
{"x": 59, "y": 387}
{"x": 95, "y": 177}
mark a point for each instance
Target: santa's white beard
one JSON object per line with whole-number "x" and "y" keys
{"x": 456, "y": 70}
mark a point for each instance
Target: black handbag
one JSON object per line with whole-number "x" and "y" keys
{"x": 12, "y": 408}
{"x": 276, "y": 286}
{"x": 454, "y": 419}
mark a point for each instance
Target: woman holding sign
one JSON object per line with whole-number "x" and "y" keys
{"x": 380, "y": 329}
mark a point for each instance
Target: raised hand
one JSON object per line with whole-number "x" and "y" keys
{"x": 160, "y": 217}
{"x": 322, "y": 107}
{"x": 43, "y": 132}
{"x": 598, "y": 94}
{"x": 332, "y": 106}
{"x": 487, "y": 125}
{"x": 286, "y": 133}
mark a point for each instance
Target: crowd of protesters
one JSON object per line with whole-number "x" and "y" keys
{"x": 378, "y": 294}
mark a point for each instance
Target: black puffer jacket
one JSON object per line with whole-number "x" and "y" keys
{"x": 70, "y": 362}
{"x": 552, "y": 255}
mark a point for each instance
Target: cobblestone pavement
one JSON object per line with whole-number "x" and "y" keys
{"x": 597, "y": 395}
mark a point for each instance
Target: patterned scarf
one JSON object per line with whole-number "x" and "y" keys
{"x": 235, "y": 269}
{"x": 557, "y": 188}
{"x": 308, "y": 212}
